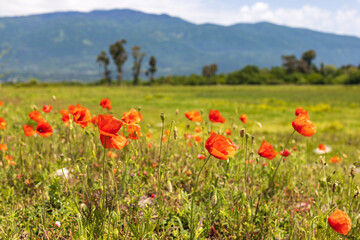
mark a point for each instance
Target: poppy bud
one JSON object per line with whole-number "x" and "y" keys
{"x": 162, "y": 116}
{"x": 139, "y": 108}
{"x": 54, "y": 98}
{"x": 34, "y": 107}
{"x": 334, "y": 187}
{"x": 352, "y": 172}
{"x": 242, "y": 132}
{"x": 247, "y": 135}
{"x": 175, "y": 133}
{"x": 177, "y": 112}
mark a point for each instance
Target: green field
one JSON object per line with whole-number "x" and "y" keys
{"x": 32, "y": 198}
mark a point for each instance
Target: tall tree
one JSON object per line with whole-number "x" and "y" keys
{"x": 152, "y": 69}
{"x": 308, "y": 56}
{"x": 104, "y": 61}
{"x": 119, "y": 56}
{"x": 290, "y": 63}
{"x": 138, "y": 58}
{"x": 209, "y": 71}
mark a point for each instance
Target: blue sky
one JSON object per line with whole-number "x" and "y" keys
{"x": 335, "y": 16}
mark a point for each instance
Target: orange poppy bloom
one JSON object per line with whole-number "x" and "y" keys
{"x": 188, "y": 172}
{"x": 8, "y": 157}
{"x": 188, "y": 136}
{"x": 300, "y": 110}
{"x": 167, "y": 132}
{"x": 198, "y": 139}
{"x": 65, "y": 116}
{"x": 29, "y": 130}
{"x": 134, "y": 131}
{"x": 322, "y": 147}
{"x": 150, "y": 144}
{"x": 148, "y": 135}
{"x": 82, "y": 116}
{"x": 228, "y": 132}
{"x": 194, "y": 116}
{"x": 304, "y": 126}
{"x": 36, "y": 116}
{"x": 340, "y": 222}
{"x": 94, "y": 120}
{"x": 106, "y": 103}
{"x": 12, "y": 163}
{"x": 201, "y": 156}
{"x": 72, "y": 108}
{"x": 132, "y": 116}
{"x": 197, "y": 129}
{"x": 2, "y": 123}
{"x": 244, "y": 118}
{"x": 215, "y": 116}
{"x": 1, "y": 103}
{"x": 220, "y": 146}
{"x": 44, "y": 129}
{"x": 335, "y": 159}
{"x": 47, "y": 108}
{"x": 3, "y": 147}
{"x": 164, "y": 139}
{"x": 108, "y": 127}
{"x": 285, "y": 153}
{"x": 112, "y": 154}
{"x": 267, "y": 151}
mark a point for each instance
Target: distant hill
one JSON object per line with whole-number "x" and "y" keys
{"x": 64, "y": 45}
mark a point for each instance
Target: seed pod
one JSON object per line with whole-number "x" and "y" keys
{"x": 162, "y": 116}
{"x": 242, "y": 132}
{"x": 175, "y": 133}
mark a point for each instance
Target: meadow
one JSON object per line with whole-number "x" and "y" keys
{"x": 68, "y": 186}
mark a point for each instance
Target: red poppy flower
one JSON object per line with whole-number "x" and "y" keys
{"x": 201, "y": 156}
{"x": 164, "y": 139}
{"x": 1, "y": 103}
{"x": 215, "y": 116}
{"x": 29, "y": 130}
{"x": 148, "y": 135}
{"x": 244, "y": 118}
{"x": 65, "y": 116}
{"x": 3, "y": 147}
{"x": 9, "y": 157}
{"x": 304, "y": 126}
{"x": 82, "y": 116}
{"x": 94, "y": 120}
{"x": 44, "y": 129}
{"x": 335, "y": 159}
{"x": 197, "y": 129}
{"x": 194, "y": 116}
{"x": 228, "y": 132}
{"x": 167, "y": 132}
{"x": 220, "y": 146}
{"x": 108, "y": 127}
{"x": 112, "y": 154}
{"x": 322, "y": 147}
{"x": 106, "y": 103}
{"x": 267, "y": 151}
{"x": 132, "y": 116}
{"x": 340, "y": 222}
{"x": 47, "y": 108}
{"x": 285, "y": 153}
{"x": 198, "y": 139}
{"x": 300, "y": 110}
{"x": 2, "y": 123}
{"x": 150, "y": 144}
{"x": 72, "y": 108}
{"x": 133, "y": 130}
{"x": 36, "y": 116}
{"x": 188, "y": 136}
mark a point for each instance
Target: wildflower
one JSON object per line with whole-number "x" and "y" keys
{"x": 148, "y": 135}
{"x": 267, "y": 151}
{"x": 188, "y": 172}
{"x": 299, "y": 111}
{"x": 303, "y": 125}
{"x": 59, "y": 172}
{"x": 65, "y": 117}
{"x": 132, "y": 116}
{"x": 198, "y": 139}
{"x": 188, "y": 136}
{"x": 228, "y": 132}
{"x": 82, "y": 116}
{"x": 29, "y": 130}
{"x": 36, "y": 116}
{"x": 285, "y": 153}
{"x": 133, "y": 130}
{"x": 1, "y": 103}
{"x": 108, "y": 127}
{"x": 167, "y": 132}
{"x": 335, "y": 159}
{"x": 47, "y": 108}
{"x": 201, "y": 156}
{"x": 150, "y": 144}
{"x": 197, "y": 129}
{"x": 164, "y": 139}
{"x": 2, "y": 123}
{"x": 322, "y": 149}
{"x": 106, "y": 103}
{"x": 194, "y": 116}
{"x": 57, "y": 223}
{"x": 215, "y": 116}
{"x": 264, "y": 164}
{"x": 152, "y": 196}
{"x": 340, "y": 222}
{"x": 220, "y": 146}
{"x": 8, "y": 157}
{"x": 112, "y": 154}
{"x": 44, "y": 129}
{"x": 3, "y": 147}
{"x": 244, "y": 118}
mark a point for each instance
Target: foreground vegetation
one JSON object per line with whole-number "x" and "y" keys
{"x": 118, "y": 197}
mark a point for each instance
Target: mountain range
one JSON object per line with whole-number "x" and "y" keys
{"x": 64, "y": 45}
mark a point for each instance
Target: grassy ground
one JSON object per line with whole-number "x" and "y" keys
{"x": 226, "y": 206}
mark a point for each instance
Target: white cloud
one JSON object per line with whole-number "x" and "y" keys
{"x": 341, "y": 21}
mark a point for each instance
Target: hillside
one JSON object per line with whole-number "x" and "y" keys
{"x": 64, "y": 45}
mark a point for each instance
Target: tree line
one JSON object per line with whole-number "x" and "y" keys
{"x": 119, "y": 56}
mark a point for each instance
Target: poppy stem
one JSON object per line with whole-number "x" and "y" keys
{"x": 278, "y": 165}
{"x": 158, "y": 192}
{"x": 192, "y": 224}
{"x": 103, "y": 173}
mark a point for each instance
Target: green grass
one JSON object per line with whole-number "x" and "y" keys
{"x": 32, "y": 198}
